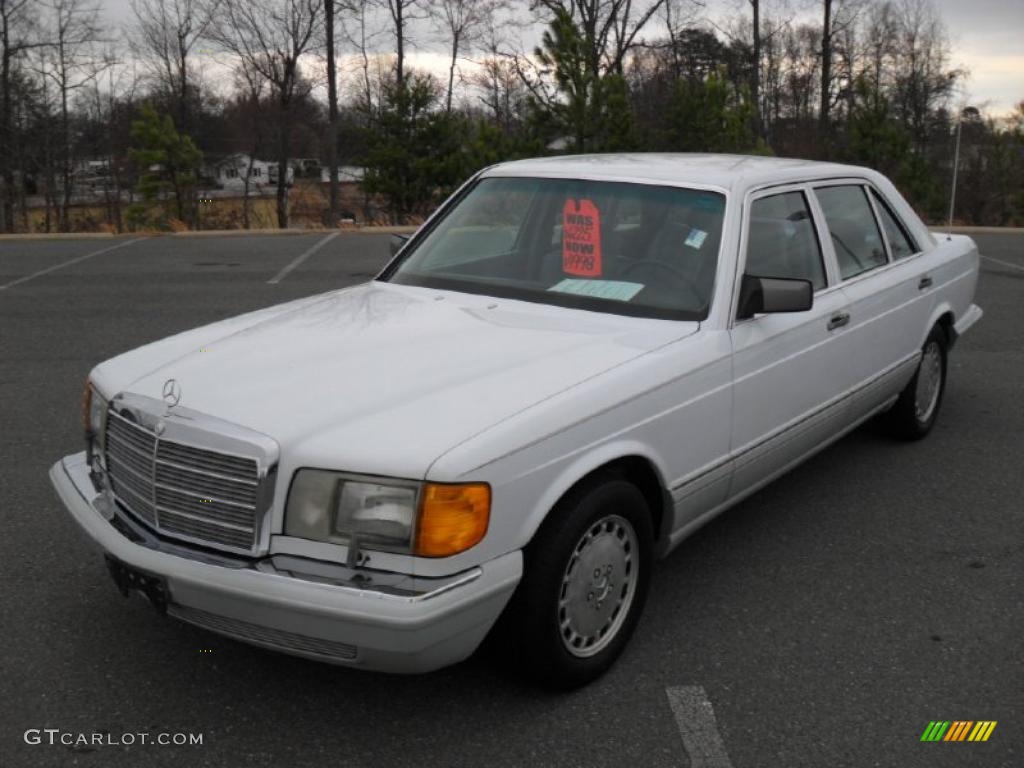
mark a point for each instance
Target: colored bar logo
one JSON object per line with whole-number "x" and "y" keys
{"x": 958, "y": 730}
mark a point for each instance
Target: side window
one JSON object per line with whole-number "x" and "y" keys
{"x": 900, "y": 242}
{"x": 782, "y": 241}
{"x": 853, "y": 229}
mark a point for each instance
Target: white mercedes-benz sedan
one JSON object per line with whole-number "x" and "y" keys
{"x": 571, "y": 366}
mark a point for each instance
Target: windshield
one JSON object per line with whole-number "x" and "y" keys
{"x": 623, "y": 248}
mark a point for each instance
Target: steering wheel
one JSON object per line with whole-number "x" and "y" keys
{"x": 687, "y": 282}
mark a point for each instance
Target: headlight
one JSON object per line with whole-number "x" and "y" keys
{"x": 428, "y": 519}
{"x": 94, "y": 412}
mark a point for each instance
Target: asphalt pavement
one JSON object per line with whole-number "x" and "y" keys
{"x": 828, "y": 619}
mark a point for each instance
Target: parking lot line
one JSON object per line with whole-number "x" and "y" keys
{"x": 68, "y": 263}
{"x": 696, "y": 720}
{"x": 301, "y": 258}
{"x": 1004, "y": 263}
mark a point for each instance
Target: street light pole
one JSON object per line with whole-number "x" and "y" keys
{"x": 956, "y": 166}
{"x": 965, "y": 112}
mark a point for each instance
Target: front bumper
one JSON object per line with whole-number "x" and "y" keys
{"x": 317, "y": 617}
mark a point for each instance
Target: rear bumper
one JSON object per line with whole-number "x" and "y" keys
{"x": 969, "y": 318}
{"x": 325, "y": 619}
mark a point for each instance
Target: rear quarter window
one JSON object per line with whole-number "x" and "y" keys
{"x": 900, "y": 242}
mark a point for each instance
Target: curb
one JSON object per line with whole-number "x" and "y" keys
{"x": 370, "y": 230}
{"x": 941, "y": 230}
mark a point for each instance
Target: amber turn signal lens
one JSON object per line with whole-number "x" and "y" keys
{"x": 453, "y": 517}
{"x": 86, "y": 405}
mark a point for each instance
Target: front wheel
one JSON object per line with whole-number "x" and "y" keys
{"x": 585, "y": 580}
{"x": 917, "y": 408}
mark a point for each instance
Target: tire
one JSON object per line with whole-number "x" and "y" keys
{"x": 585, "y": 579}
{"x": 915, "y": 412}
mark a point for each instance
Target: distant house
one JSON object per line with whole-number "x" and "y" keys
{"x": 306, "y": 167}
{"x": 347, "y": 174}
{"x": 229, "y": 172}
{"x": 91, "y": 177}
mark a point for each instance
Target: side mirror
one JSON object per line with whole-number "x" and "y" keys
{"x": 396, "y": 243}
{"x": 773, "y": 294}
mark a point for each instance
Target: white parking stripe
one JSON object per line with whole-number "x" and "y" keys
{"x": 68, "y": 263}
{"x": 301, "y": 258}
{"x": 1004, "y": 263}
{"x": 696, "y": 720}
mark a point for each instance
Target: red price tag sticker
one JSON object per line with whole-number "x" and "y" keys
{"x": 581, "y": 238}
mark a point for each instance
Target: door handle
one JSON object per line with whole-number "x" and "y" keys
{"x": 925, "y": 282}
{"x": 838, "y": 321}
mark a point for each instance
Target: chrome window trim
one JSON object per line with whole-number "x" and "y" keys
{"x": 817, "y": 218}
{"x": 875, "y": 196}
{"x": 866, "y": 187}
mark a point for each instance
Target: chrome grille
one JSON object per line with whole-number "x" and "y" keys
{"x": 203, "y": 496}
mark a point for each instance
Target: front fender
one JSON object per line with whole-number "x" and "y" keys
{"x": 569, "y": 473}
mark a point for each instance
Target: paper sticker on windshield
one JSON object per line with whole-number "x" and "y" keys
{"x": 696, "y": 238}
{"x": 581, "y": 238}
{"x": 618, "y": 290}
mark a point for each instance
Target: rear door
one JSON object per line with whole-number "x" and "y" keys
{"x": 889, "y": 291}
{"x": 789, "y": 378}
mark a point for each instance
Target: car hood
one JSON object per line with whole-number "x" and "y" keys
{"x": 382, "y": 378}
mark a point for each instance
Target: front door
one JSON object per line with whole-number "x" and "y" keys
{"x": 789, "y": 391}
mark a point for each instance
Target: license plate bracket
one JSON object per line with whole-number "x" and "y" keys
{"x": 129, "y": 579}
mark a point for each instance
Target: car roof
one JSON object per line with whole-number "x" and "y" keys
{"x": 734, "y": 173}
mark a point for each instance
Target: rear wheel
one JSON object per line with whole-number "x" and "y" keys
{"x": 917, "y": 408}
{"x": 585, "y": 580}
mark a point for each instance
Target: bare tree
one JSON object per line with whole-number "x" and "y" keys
{"x": 679, "y": 19}
{"x": 166, "y": 33}
{"x": 332, "y": 114}
{"x": 106, "y": 101}
{"x": 840, "y": 16}
{"x": 74, "y": 62}
{"x": 401, "y": 12}
{"x": 881, "y": 34}
{"x": 610, "y": 27}
{"x": 826, "y": 73}
{"x": 755, "y": 68}
{"x": 16, "y": 38}
{"x": 270, "y": 36}
{"x": 462, "y": 22}
{"x": 251, "y": 84}
{"x": 360, "y": 34}
{"x": 923, "y": 81}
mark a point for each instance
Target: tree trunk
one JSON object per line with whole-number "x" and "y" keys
{"x": 6, "y": 173}
{"x": 65, "y": 156}
{"x": 755, "y": 74}
{"x": 399, "y": 44}
{"x": 332, "y": 116}
{"x": 182, "y": 88}
{"x": 826, "y": 78}
{"x": 451, "y": 72}
{"x": 282, "y": 167}
{"x": 246, "y": 205}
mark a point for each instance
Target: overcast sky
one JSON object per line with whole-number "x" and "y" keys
{"x": 987, "y": 38}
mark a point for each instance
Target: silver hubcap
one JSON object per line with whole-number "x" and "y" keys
{"x": 929, "y": 381}
{"x": 598, "y": 586}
